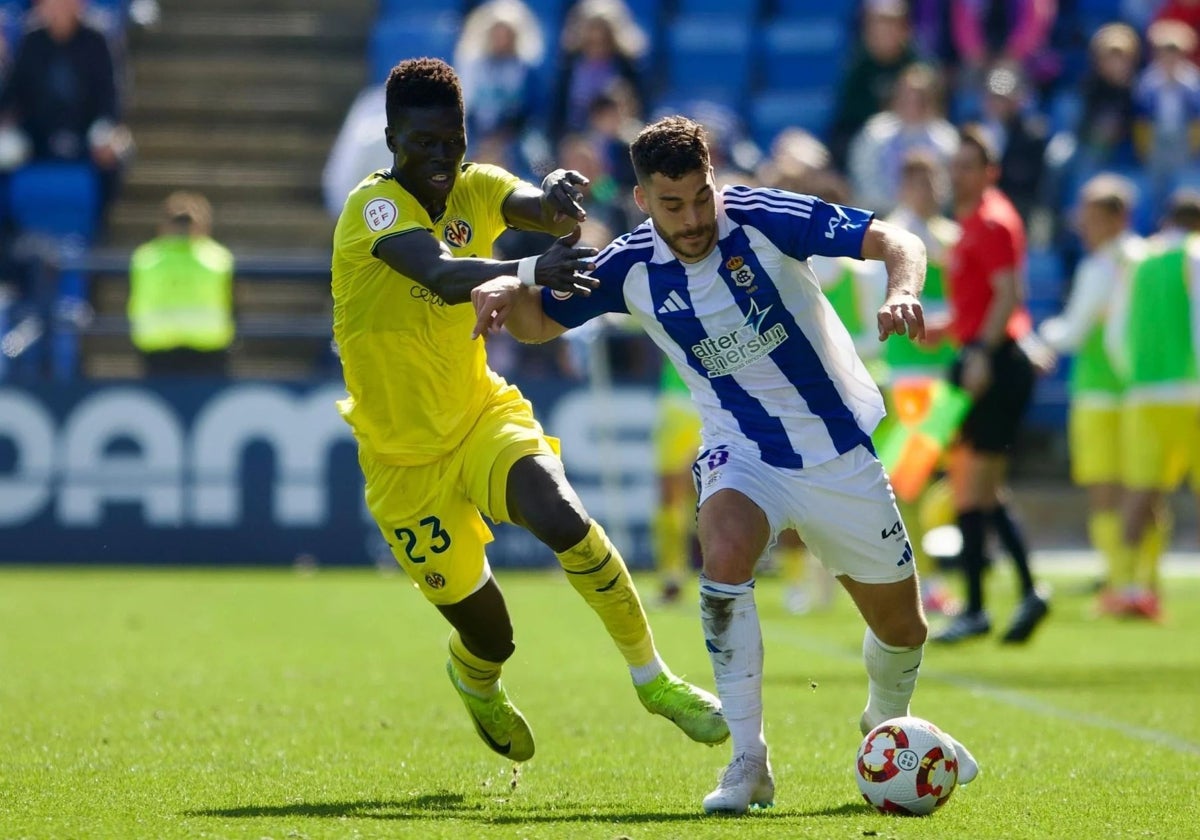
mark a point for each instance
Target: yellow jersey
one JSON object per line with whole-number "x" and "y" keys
{"x": 416, "y": 382}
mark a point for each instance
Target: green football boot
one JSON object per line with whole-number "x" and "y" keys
{"x": 498, "y": 722}
{"x": 692, "y": 709}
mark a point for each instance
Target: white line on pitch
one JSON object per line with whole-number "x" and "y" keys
{"x": 999, "y": 694}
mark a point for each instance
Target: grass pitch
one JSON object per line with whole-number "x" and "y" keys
{"x": 203, "y": 704}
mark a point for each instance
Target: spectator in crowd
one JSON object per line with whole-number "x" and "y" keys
{"x": 1167, "y": 100}
{"x": 61, "y": 95}
{"x": 985, "y": 32}
{"x": 987, "y": 318}
{"x": 359, "y": 149}
{"x": 1093, "y": 430}
{"x": 604, "y": 195}
{"x": 1152, "y": 342}
{"x": 1020, "y": 135}
{"x": 497, "y": 54}
{"x": 1183, "y": 11}
{"x": 601, "y": 45}
{"x": 181, "y": 293}
{"x": 914, "y": 121}
{"x": 1103, "y": 133}
{"x": 884, "y": 50}
{"x": 609, "y": 130}
{"x": 924, "y": 192}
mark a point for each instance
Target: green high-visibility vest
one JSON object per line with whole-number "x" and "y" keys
{"x": 1158, "y": 331}
{"x": 181, "y": 294}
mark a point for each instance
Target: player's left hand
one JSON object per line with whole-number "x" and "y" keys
{"x": 493, "y": 300}
{"x": 560, "y": 189}
{"x": 901, "y": 314}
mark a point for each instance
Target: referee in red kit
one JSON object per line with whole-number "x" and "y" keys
{"x": 987, "y": 319}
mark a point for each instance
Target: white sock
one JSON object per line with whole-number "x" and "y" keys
{"x": 892, "y": 677}
{"x": 734, "y": 640}
{"x": 643, "y": 674}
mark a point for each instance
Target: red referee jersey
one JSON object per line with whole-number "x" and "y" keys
{"x": 993, "y": 239}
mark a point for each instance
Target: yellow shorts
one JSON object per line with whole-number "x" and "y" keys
{"x": 1094, "y": 437}
{"x": 676, "y": 435}
{"x": 432, "y": 515}
{"x": 1158, "y": 445}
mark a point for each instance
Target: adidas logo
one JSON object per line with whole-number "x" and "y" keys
{"x": 673, "y": 303}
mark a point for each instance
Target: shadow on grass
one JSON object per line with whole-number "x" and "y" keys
{"x": 457, "y": 806}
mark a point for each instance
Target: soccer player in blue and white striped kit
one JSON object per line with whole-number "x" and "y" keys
{"x": 719, "y": 279}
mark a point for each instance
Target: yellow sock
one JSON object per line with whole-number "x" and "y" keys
{"x": 1104, "y": 530}
{"x": 478, "y": 676}
{"x": 671, "y": 541}
{"x": 1150, "y": 551}
{"x": 597, "y": 571}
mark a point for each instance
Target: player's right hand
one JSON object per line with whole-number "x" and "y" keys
{"x": 562, "y": 266}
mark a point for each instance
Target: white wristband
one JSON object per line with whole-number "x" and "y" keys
{"x": 525, "y": 268}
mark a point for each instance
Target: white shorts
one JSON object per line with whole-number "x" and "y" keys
{"x": 843, "y": 509}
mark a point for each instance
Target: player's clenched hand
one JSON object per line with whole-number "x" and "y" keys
{"x": 901, "y": 314}
{"x": 560, "y": 189}
{"x": 493, "y": 300}
{"x": 563, "y": 265}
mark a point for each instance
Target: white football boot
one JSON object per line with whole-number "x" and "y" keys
{"x": 747, "y": 782}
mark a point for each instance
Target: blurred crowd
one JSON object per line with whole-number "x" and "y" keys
{"x": 1065, "y": 88}
{"x": 62, "y": 149}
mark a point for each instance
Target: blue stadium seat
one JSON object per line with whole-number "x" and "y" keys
{"x": 1066, "y": 107}
{"x": 801, "y": 10}
{"x": 396, "y": 38}
{"x": 773, "y": 111}
{"x": 1045, "y": 279}
{"x": 412, "y": 8}
{"x": 750, "y": 9}
{"x": 709, "y": 55}
{"x": 648, "y": 14}
{"x": 803, "y": 54}
{"x": 55, "y": 199}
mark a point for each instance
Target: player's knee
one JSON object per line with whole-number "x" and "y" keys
{"x": 728, "y": 559}
{"x": 908, "y": 632}
{"x": 542, "y": 501}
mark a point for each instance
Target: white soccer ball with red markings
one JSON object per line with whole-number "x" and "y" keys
{"x": 906, "y": 766}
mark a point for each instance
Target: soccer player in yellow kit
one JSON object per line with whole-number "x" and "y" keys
{"x": 443, "y": 440}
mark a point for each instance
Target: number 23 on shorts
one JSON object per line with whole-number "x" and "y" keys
{"x": 428, "y": 537}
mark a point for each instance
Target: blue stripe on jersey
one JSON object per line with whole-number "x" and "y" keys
{"x": 796, "y": 358}
{"x": 686, "y": 330}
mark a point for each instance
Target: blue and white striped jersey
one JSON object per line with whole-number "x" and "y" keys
{"x": 768, "y": 362}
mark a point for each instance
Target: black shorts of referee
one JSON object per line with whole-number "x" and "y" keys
{"x": 995, "y": 417}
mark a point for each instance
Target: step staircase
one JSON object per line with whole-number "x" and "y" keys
{"x": 239, "y": 100}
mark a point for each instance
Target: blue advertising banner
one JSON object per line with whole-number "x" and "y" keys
{"x": 258, "y": 473}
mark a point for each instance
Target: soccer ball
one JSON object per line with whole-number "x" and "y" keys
{"x": 906, "y": 766}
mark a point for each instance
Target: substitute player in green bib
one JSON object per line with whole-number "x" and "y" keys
{"x": 1096, "y": 389}
{"x": 444, "y": 441}
{"x": 1152, "y": 339}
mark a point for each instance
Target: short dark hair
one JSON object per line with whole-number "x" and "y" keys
{"x": 979, "y": 137}
{"x": 1184, "y": 209}
{"x": 673, "y": 146}
{"x": 422, "y": 83}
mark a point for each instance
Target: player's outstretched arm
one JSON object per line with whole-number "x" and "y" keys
{"x": 556, "y": 208}
{"x": 506, "y": 302}
{"x": 429, "y": 262}
{"x": 903, "y": 255}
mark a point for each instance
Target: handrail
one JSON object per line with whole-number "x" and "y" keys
{"x": 258, "y": 264}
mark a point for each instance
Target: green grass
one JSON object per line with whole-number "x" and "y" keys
{"x": 164, "y": 704}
